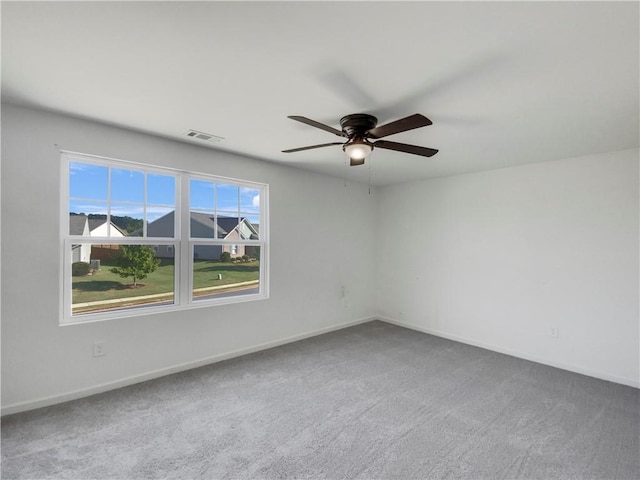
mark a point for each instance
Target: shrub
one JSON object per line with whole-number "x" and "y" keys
{"x": 245, "y": 258}
{"x": 225, "y": 257}
{"x": 80, "y": 269}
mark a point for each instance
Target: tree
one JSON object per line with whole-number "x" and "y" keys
{"x": 135, "y": 261}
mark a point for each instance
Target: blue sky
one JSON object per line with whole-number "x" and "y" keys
{"x": 88, "y": 185}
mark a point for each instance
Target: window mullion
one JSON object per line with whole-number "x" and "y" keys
{"x": 215, "y": 211}
{"x": 108, "y": 201}
{"x": 144, "y": 205}
{"x": 184, "y": 245}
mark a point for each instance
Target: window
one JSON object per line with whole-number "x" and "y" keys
{"x": 139, "y": 238}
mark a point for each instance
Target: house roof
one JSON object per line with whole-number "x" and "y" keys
{"x": 96, "y": 222}
{"x": 77, "y": 224}
{"x": 225, "y": 224}
{"x": 207, "y": 220}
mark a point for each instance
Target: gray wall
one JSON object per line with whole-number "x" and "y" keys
{"x": 43, "y": 362}
{"x": 494, "y": 259}
{"x": 499, "y": 258}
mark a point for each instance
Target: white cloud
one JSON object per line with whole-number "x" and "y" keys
{"x": 88, "y": 208}
{"x": 126, "y": 210}
{"x": 75, "y": 168}
{"x": 256, "y": 201}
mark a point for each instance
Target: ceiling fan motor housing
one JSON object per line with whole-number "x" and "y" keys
{"x": 357, "y": 124}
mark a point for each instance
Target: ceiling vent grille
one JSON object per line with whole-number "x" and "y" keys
{"x": 203, "y": 136}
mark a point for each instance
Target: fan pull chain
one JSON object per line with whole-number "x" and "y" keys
{"x": 346, "y": 167}
{"x": 370, "y": 174}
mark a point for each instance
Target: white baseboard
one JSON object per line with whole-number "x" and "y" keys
{"x": 631, "y": 382}
{"x": 53, "y": 400}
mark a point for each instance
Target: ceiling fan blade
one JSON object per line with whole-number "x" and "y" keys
{"x": 402, "y": 125}
{"x": 311, "y": 147}
{"x": 403, "y": 147}
{"x": 319, "y": 125}
{"x": 353, "y": 162}
{"x": 451, "y": 82}
{"x": 347, "y": 88}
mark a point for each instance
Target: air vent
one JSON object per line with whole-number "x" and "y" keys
{"x": 203, "y": 136}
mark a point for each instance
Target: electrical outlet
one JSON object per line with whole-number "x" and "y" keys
{"x": 99, "y": 349}
{"x": 554, "y": 332}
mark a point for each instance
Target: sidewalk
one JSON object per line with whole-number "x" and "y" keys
{"x": 161, "y": 295}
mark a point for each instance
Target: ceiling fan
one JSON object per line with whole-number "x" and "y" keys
{"x": 359, "y": 128}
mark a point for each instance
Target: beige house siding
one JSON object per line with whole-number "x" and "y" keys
{"x": 234, "y": 235}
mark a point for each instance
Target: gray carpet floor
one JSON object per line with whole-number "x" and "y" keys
{"x": 373, "y": 401}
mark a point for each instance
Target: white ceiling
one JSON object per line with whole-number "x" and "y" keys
{"x": 504, "y": 83}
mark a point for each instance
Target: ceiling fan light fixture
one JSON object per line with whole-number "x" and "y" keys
{"x": 357, "y": 149}
{"x": 358, "y": 128}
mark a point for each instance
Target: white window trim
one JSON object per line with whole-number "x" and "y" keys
{"x": 183, "y": 249}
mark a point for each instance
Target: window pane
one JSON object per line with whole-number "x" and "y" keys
{"x": 128, "y": 217}
{"x": 87, "y": 181}
{"x": 101, "y": 228}
{"x": 78, "y": 225}
{"x": 116, "y": 277}
{"x": 249, "y": 200}
{"x": 202, "y": 225}
{"x": 160, "y": 222}
{"x": 250, "y": 227}
{"x": 227, "y": 226}
{"x": 201, "y": 195}
{"x": 161, "y": 189}
{"x": 253, "y": 219}
{"x": 79, "y": 222}
{"x": 127, "y": 185}
{"x": 227, "y": 198}
{"x": 84, "y": 207}
{"x": 214, "y": 278}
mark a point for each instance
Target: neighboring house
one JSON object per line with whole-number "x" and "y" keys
{"x": 204, "y": 226}
{"x": 79, "y": 225}
{"x": 90, "y": 227}
{"x": 98, "y": 228}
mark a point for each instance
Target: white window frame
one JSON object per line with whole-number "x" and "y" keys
{"x": 184, "y": 245}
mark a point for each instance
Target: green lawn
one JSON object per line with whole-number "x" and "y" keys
{"x": 104, "y": 285}
{"x": 205, "y": 273}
